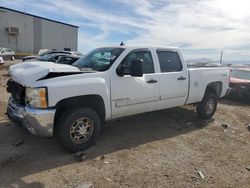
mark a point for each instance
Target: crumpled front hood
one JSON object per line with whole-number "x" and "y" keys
{"x": 28, "y": 73}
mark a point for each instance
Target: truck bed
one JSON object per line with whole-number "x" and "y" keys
{"x": 200, "y": 77}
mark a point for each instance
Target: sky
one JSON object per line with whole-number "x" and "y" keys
{"x": 201, "y": 28}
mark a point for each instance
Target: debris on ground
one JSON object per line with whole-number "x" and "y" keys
{"x": 248, "y": 168}
{"x": 18, "y": 143}
{"x": 79, "y": 153}
{"x": 85, "y": 185}
{"x": 201, "y": 174}
{"x": 108, "y": 179}
{"x": 81, "y": 156}
{"x": 106, "y": 162}
{"x": 194, "y": 178}
{"x": 248, "y": 127}
{"x": 225, "y": 126}
{"x": 100, "y": 158}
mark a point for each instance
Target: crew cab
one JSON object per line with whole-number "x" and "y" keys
{"x": 72, "y": 102}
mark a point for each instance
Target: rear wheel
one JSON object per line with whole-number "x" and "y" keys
{"x": 78, "y": 128}
{"x": 207, "y": 107}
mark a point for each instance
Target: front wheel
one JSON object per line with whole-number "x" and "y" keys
{"x": 207, "y": 107}
{"x": 78, "y": 128}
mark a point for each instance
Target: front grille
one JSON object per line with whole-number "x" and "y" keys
{"x": 17, "y": 91}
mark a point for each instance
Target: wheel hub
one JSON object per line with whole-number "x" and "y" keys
{"x": 210, "y": 106}
{"x": 81, "y": 130}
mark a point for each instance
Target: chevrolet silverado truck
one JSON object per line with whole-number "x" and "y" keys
{"x": 70, "y": 102}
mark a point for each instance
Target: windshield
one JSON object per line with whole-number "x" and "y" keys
{"x": 99, "y": 59}
{"x": 241, "y": 74}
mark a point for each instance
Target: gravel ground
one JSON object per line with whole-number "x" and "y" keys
{"x": 160, "y": 149}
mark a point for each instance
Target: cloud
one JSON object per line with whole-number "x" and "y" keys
{"x": 198, "y": 26}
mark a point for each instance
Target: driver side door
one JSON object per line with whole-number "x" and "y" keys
{"x": 133, "y": 95}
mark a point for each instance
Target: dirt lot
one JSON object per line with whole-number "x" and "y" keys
{"x": 160, "y": 149}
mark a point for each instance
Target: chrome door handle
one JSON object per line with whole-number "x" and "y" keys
{"x": 181, "y": 78}
{"x": 151, "y": 81}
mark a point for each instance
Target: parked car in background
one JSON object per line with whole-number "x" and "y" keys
{"x": 44, "y": 52}
{"x": 7, "y": 54}
{"x": 58, "y": 58}
{"x": 67, "y": 59}
{"x": 239, "y": 66}
{"x": 240, "y": 84}
{"x": 201, "y": 64}
{"x": 1, "y": 61}
{"x": 48, "y": 57}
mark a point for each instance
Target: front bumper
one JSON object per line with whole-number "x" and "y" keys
{"x": 36, "y": 121}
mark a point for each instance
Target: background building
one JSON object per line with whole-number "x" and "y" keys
{"x": 27, "y": 34}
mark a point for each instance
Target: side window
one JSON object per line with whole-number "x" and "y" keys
{"x": 169, "y": 61}
{"x": 56, "y": 58}
{"x": 7, "y": 50}
{"x": 62, "y": 60}
{"x": 67, "y": 60}
{"x": 144, "y": 55}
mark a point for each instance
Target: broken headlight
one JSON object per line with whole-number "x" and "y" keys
{"x": 36, "y": 97}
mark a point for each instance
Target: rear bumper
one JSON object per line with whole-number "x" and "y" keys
{"x": 36, "y": 121}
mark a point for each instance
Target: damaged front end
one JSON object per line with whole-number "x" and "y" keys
{"x": 17, "y": 91}
{"x": 29, "y": 101}
{"x": 36, "y": 120}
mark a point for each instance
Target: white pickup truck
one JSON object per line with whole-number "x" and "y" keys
{"x": 71, "y": 102}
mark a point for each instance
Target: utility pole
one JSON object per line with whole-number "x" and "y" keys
{"x": 221, "y": 54}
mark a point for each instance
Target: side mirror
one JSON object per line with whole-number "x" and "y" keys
{"x": 136, "y": 68}
{"x": 120, "y": 71}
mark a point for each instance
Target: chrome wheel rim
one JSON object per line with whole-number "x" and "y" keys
{"x": 81, "y": 130}
{"x": 210, "y": 106}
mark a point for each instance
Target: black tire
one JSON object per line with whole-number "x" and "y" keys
{"x": 12, "y": 58}
{"x": 207, "y": 107}
{"x": 65, "y": 130}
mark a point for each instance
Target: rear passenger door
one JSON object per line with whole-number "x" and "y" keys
{"x": 173, "y": 78}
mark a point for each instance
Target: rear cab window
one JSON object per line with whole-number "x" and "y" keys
{"x": 169, "y": 61}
